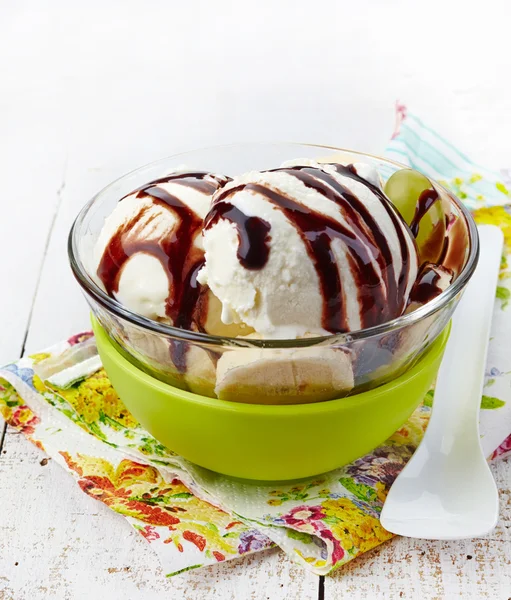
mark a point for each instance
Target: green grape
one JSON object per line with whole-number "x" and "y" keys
{"x": 404, "y": 189}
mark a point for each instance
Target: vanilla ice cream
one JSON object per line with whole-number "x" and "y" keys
{"x": 307, "y": 249}
{"x": 150, "y": 248}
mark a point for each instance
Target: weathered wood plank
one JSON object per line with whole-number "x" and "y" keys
{"x": 427, "y": 570}
{"x": 28, "y": 205}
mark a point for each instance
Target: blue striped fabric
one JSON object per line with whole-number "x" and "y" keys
{"x": 420, "y": 147}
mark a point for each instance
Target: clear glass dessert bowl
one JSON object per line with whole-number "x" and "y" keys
{"x": 287, "y": 371}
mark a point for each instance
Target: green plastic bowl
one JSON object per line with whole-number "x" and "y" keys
{"x": 268, "y": 442}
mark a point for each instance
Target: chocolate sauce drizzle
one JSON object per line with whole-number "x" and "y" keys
{"x": 371, "y": 296}
{"x": 424, "y": 203}
{"x": 350, "y": 171}
{"x": 253, "y": 234}
{"x": 176, "y": 251}
{"x": 427, "y": 286}
{"x": 365, "y": 242}
{"x": 445, "y": 249}
{"x": 456, "y": 245}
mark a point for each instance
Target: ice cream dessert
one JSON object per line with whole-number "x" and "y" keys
{"x": 303, "y": 250}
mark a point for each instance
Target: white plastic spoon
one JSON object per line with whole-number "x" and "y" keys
{"x": 446, "y": 491}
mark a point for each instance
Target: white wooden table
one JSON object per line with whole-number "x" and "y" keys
{"x": 93, "y": 90}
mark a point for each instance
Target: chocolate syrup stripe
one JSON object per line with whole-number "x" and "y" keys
{"x": 350, "y": 172}
{"x": 116, "y": 254}
{"x": 424, "y": 203}
{"x": 191, "y": 289}
{"x": 253, "y": 233}
{"x": 372, "y": 243}
{"x": 193, "y": 179}
{"x": 456, "y": 243}
{"x": 445, "y": 245}
{"x": 176, "y": 252}
{"x": 426, "y": 286}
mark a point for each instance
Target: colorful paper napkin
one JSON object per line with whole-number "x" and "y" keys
{"x": 62, "y": 400}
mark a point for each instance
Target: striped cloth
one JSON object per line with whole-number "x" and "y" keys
{"x": 418, "y": 146}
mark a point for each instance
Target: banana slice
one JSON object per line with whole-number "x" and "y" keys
{"x": 295, "y": 376}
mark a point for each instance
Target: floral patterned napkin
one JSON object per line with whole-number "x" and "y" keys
{"x": 63, "y": 402}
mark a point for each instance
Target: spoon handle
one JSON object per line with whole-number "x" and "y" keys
{"x": 461, "y": 376}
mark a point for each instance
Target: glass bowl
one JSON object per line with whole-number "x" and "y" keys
{"x": 267, "y": 371}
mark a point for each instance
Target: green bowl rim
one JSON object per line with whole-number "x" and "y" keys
{"x": 326, "y": 406}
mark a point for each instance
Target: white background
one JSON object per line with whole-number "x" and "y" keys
{"x": 93, "y": 89}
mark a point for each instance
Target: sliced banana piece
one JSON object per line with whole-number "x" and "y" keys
{"x": 295, "y": 376}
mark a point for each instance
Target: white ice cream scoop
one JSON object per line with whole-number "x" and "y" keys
{"x": 151, "y": 244}
{"x": 308, "y": 249}
{"x": 446, "y": 491}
